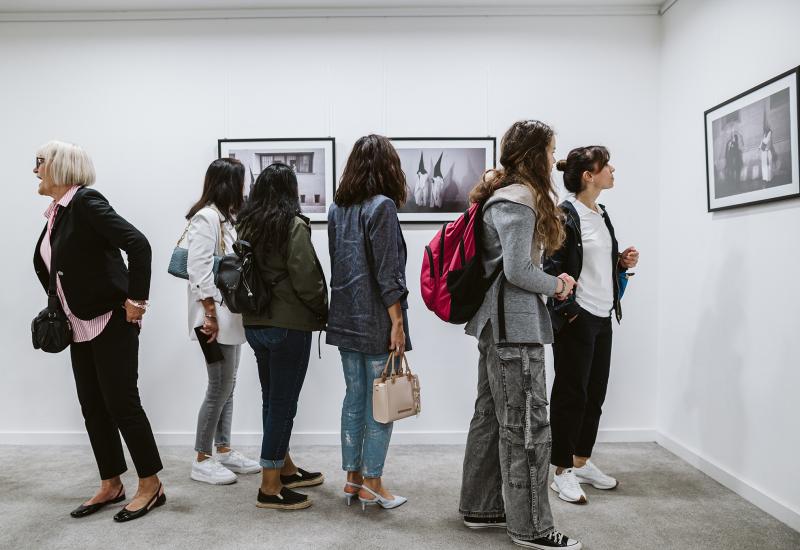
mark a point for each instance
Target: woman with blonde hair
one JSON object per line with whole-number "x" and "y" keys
{"x": 508, "y": 447}
{"x": 104, "y": 301}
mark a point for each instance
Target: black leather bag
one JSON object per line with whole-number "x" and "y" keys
{"x": 50, "y": 330}
{"x": 240, "y": 283}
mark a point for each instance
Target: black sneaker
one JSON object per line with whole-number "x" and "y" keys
{"x": 302, "y": 479}
{"x": 485, "y": 523}
{"x": 286, "y": 500}
{"x": 553, "y": 540}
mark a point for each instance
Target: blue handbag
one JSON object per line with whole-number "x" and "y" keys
{"x": 623, "y": 282}
{"x": 180, "y": 258}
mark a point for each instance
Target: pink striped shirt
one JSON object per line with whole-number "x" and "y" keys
{"x": 82, "y": 331}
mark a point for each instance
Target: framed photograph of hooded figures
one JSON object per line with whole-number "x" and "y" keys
{"x": 752, "y": 152}
{"x": 440, "y": 173}
{"x": 313, "y": 160}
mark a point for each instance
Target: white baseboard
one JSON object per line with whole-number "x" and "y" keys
{"x": 399, "y": 437}
{"x": 773, "y": 507}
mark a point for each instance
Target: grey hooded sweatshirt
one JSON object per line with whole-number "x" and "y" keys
{"x": 509, "y": 220}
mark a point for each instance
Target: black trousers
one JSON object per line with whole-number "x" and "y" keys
{"x": 582, "y": 357}
{"x": 106, "y": 371}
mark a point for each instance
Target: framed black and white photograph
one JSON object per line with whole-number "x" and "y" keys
{"x": 313, "y": 160}
{"x": 752, "y": 145}
{"x": 440, "y": 173}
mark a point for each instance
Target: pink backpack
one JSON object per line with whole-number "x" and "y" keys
{"x": 453, "y": 280}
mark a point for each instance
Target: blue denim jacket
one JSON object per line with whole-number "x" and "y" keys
{"x": 368, "y": 274}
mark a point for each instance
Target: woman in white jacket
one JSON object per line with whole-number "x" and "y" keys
{"x": 211, "y": 233}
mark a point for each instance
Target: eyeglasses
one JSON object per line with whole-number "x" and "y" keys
{"x": 39, "y": 161}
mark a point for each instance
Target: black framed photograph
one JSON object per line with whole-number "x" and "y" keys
{"x": 440, "y": 173}
{"x": 752, "y": 145}
{"x": 313, "y": 160}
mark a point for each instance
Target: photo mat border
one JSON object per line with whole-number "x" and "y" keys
{"x": 796, "y": 72}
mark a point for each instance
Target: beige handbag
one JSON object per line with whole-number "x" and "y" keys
{"x": 395, "y": 394}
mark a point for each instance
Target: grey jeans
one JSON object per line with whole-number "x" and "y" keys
{"x": 507, "y": 459}
{"x": 216, "y": 413}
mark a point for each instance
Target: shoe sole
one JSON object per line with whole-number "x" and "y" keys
{"x": 211, "y": 481}
{"x": 309, "y": 483}
{"x": 527, "y": 544}
{"x": 270, "y": 506}
{"x": 237, "y": 470}
{"x": 600, "y": 487}
{"x": 581, "y": 500}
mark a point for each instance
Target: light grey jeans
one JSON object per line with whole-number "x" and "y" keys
{"x": 507, "y": 459}
{"x": 216, "y": 413}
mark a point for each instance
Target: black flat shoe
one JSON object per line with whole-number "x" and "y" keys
{"x": 88, "y": 509}
{"x": 302, "y": 478}
{"x": 159, "y": 499}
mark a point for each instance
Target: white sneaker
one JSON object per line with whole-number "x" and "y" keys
{"x": 590, "y": 473}
{"x": 211, "y": 471}
{"x": 568, "y": 488}
{"x": 237, "y": 462}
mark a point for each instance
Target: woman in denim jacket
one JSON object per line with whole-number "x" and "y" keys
{"x": 368, "y": 316}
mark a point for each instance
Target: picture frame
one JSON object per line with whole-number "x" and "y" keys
{"x": 451, "y": 167}
{"x": 751, "y": 142}
{"x": 314, "y": 160}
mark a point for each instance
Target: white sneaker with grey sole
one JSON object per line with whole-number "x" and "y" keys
{"x": 591, "y": 474}
{"x": 237, "y": 462}
{"x": 212, "y": 472}
{"x": 568, "y": 488}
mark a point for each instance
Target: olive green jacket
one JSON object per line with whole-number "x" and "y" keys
{"x": 300, "y": 297}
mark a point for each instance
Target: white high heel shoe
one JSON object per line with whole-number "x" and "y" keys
{"x": 350, "y": 496}
{"x": 385, "y": 503}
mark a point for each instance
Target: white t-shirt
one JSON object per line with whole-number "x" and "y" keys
{"x": 595, "y": 291}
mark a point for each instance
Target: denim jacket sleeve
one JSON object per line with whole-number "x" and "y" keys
{"x": 382, "y": 236}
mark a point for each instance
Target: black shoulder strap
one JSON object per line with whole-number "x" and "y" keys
{"x": 501, "y": 308}
{"x": 52, "y": 294}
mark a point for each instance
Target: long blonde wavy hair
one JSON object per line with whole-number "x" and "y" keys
{"x": 523, "y": 156}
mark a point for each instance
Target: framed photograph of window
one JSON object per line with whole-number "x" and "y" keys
{"x": 440, "y": 173}
{"x": 313, "y": 160}
{"x": 752, "y": 145}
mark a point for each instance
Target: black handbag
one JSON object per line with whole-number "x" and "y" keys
{"x": 51, "y": 330}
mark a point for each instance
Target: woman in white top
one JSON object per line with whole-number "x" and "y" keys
{"x": 582, "y": 322}
{"x": 211, "y": 233}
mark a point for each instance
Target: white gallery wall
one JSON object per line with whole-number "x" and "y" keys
{"x": 149, "y": 99}
{"x": 727, "y": 308}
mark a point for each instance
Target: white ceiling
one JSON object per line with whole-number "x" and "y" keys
{"x": 29, "y": 6}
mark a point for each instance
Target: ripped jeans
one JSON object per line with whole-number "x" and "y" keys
{"x": 365, "y": 441}
{"x": 507, "y": 458}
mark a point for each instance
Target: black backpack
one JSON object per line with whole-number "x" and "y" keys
{"x": 241, "y": 285}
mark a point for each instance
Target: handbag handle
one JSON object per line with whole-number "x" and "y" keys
{"x": 221, "y": 236}
{"x": 389, "y": 370}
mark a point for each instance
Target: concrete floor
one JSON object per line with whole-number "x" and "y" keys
{"x": 662, "y": 503}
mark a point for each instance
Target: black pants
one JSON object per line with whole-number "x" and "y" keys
{"x": 106, "y": 374}
{"x": 582, "y": 357}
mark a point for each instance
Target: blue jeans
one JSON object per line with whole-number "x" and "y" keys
{"x": 282, "y": 356}
{"x": 364, "y": 441}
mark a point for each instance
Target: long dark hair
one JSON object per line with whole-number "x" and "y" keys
{"x": 591, "y": 158}
{"x": 223, "y": 187}
{"x": 272, "y": 205}
{"x": 523, "y": 155}
{"x": 373, "y": 168}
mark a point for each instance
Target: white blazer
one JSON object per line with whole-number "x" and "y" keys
{"x": 208, "y": 235}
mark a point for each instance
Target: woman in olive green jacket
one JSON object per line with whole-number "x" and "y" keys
{"x": 281, "y": 338}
